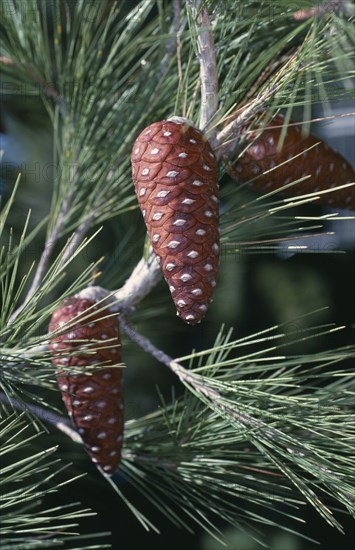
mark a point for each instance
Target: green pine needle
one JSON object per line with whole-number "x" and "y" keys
{"x": 248, "y": 436}
{"x": 26, "y": 480}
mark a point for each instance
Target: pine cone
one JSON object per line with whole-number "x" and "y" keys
{"x": 326, "y": 167}
{"x": 93, "y": 400}
{"x": 175, "y": 175}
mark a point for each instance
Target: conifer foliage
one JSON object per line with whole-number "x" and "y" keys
{"x": 163, "y": 106}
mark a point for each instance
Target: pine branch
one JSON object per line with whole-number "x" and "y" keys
{"x": 208, "y": 69}
{"x": 208, "y": 64}
{"x": 172, "y": 466}
{"x": 49, "y": 246}
{"x": 47, "y": 88}
{"x": 161, "y": 356}
{"x": 264, "y": 409}
{"x": 213, "y": 383}
{"x": 60, "y": 422}
{"x": 26, "y": 521}
{"x": 227, "y": 138}
{"x": 142, "y": 280}
{"x": 77, "y": 238}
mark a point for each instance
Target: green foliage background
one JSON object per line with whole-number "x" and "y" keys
{"x": 115, "y": 73}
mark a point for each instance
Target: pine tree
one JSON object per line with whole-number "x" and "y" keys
{"x": 251, "y": 427}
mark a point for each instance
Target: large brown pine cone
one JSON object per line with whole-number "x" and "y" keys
{"x": 175, "y": 175}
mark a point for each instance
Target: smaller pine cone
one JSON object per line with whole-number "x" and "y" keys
{"x": 326, "y": 167}
{"x": 174, "y": 171}
{"x": 93, "y": 400}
